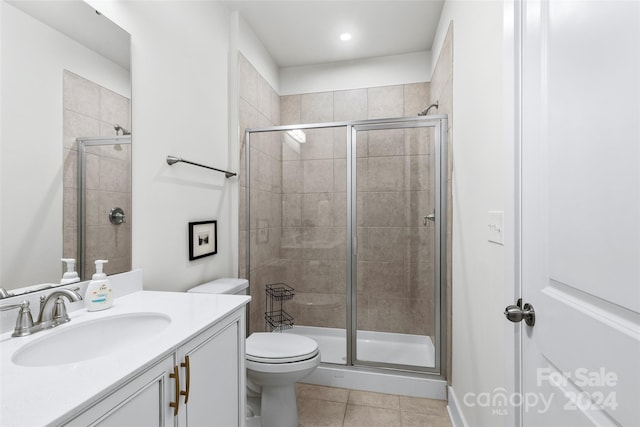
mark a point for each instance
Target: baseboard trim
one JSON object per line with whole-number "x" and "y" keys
{"x": 454, "y": 409}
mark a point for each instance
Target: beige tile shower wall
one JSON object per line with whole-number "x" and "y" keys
{"x": 259, "y": 107}
{"x": 92, "y": 110}
{"x": 395, "y": 286}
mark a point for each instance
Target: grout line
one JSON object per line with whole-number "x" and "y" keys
{"x": 346, "y": 407}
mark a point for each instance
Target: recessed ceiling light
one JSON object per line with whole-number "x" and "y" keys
{"x": 345, "y": 37}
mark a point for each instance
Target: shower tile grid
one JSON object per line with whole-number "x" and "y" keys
{"x": 329, "y": 406}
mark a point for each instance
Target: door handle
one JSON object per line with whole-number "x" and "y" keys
{"x": 176, "y": 376}
{"x": 516, "y": 313}
{"x": 185, "y": 393}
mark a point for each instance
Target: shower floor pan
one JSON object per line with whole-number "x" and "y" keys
{"x": 382, "y": 347}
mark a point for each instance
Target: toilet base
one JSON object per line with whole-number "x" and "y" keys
{"x": 279, "y": 407}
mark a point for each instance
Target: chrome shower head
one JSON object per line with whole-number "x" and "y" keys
{"x": 119, "y": 128}
{"x": 426, "y": 110}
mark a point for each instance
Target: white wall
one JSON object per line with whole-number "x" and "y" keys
{"x": 179, "y": 107}
{"x": 252, "y": 48}
{"x": 371, "y": 72}
{"x": 478, "y": 186}
{"x": 31, "y": 151}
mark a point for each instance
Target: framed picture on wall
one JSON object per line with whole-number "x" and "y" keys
{"x": 203, "y": 239}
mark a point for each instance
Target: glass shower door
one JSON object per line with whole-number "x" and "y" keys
{"x": 396, "y": 300}
{"x": 103, "y": 227}
{"x": 297, "y": 232}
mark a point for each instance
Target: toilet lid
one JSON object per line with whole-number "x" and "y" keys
{"x": 269, "y": 347}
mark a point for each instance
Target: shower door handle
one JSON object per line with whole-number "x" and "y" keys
{"x": 430, "y": 217}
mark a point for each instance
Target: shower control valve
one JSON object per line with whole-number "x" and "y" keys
{"x": 117, "y": 216}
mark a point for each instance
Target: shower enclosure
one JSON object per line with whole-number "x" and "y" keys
{"x": 104, "y": 204}
{"x": 351, "y": 215}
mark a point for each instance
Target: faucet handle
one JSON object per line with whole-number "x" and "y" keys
{"x": 60, "y": 312}
{"x": 24, "y": 321}
{"x": 12, "y": 306}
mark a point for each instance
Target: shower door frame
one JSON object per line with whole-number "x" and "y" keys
{"x": 439, "y": 123}
{"x": 83, "y": 143}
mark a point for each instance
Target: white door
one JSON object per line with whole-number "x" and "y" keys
{"x": 580, "y": 217}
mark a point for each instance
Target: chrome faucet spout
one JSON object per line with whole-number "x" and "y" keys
{"x": 54, "y": 313}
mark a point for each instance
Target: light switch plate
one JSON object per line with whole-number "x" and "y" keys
{"x": 496, "y": 227}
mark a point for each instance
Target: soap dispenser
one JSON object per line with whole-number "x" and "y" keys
{"x": 98, "y": 296}
{"x": 70, "y": 276}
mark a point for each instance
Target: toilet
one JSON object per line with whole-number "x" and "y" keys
{"x": 275, "y": 363}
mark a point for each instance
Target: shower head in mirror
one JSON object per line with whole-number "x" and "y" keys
{"x": 119, "y": 128}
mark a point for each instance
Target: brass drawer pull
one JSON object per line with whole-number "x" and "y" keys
{"x": 188, "y": 367}
{"x": 176, "y": 376}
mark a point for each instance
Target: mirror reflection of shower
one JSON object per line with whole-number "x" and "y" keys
{"x": 97, "y": 176}
{"x": 119, "y": 128}
{"x": 104, "y": 181}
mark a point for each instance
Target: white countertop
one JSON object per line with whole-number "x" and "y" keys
{"x": 38, "y": 396}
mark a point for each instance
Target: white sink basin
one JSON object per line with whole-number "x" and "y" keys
{"x": 72, "y": 343}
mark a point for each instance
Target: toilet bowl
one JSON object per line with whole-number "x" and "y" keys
{"x": 274, "y": 362}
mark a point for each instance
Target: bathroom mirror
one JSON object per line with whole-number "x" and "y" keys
{"x": 65, "y": 75}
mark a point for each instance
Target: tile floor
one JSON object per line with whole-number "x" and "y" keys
{"x": 339, "y": 407}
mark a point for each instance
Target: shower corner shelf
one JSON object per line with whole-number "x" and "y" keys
{"x": 279, "y": 291}
{"x": 279, "y": 320}
{"x": 275, "y": 317}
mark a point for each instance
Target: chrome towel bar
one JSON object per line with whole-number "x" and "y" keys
{"x": 173, "y": 160}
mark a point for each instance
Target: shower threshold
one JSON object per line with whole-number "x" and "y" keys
{"x": 380, "y": 347}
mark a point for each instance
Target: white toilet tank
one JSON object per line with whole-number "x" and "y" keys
{"x": 229, "y": 286}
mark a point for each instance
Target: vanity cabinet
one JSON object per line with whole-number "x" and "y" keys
{"x": 210, "y": 391}
{"x": 140, "y": 402}
{"x": 210, "y": 371}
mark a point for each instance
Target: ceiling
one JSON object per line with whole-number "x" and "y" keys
{"x": 79, "y": 21}
{"x": 301, "y": 32}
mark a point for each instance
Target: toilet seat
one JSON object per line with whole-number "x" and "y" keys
{"x": 266, "y": 347}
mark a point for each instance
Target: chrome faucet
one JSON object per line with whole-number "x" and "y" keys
{"x": 55, "y": 313}
{"x": 24, "y": 322}
{"x": 52, "y": 313}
